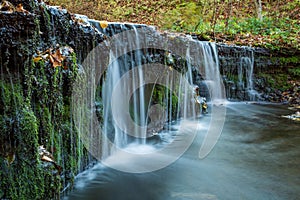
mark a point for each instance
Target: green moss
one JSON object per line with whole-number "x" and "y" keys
{"x": 284, "y": 60}
{"x": 295, "y": 71}
{"x": 233, "y": 77}
{"x": 161, "y": 95}
{"x": 289, "y": 60}
{"x": 22, "y": 178}
{"x": 278, "y": 81}
{"x": 37, "y": 112}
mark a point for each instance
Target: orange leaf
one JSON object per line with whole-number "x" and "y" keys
{"x": 20, "y": 8}
{"x": 56, "y": 59}
{"x": 46, "y": 158}
{"x": 37, "y": 59}
{"x": 103, "y": 24}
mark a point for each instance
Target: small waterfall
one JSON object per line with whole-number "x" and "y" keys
{"x": 245, "y": 76}
{"x": 212, "y": 73}
{"x": 237, "y": 66}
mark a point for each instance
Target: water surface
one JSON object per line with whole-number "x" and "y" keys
{"x": 256, "y": 157}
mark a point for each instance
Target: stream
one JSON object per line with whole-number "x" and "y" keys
{"x": 74, "y": 89}
{"x": 256, "y": 157}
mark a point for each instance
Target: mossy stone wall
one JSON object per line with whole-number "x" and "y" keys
{"x": 35, "y": 100}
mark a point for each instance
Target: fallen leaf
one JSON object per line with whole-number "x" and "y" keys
{"x": 20, "y": 8}
{"x": 46, "y": 158}
{"x": 7, "y": 7}
{"x": 56, "y": 59}
{"x": 37, "y": 59}
{"x": 103, "y": 24}
{"x": 23, "y": 10}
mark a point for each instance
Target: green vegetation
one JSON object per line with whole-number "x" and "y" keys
{"x": 295, "y": 71}
{"x": 289, "y": 60}
{"x": 229, "y": 21}
{"x": 161, "y": 95}
{"x": 35, "y": 111}
{"x": 277, "y": 82}
{"x": 19, "y": 135}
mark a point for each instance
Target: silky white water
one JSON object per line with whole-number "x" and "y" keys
{"x": 131, "y": 115}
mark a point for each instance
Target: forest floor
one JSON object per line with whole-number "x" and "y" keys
{"x": 229, "y": 22}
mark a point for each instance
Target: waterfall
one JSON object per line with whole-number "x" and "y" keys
{"x": 121, "y": 62}
{"x": 146, "y": 80}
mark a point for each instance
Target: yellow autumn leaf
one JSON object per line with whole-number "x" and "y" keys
{"x": 37, "y": 59}
{"x": 46, "y": 158}
{"x": 19, "y": 8}
{"x": 103, "y": 24}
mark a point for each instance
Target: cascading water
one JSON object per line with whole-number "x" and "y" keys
{"x": 238, "y": 73}
{"x": 212, "y": 73}
{"x": 120, "y": 65}
{"x": 245, "y": 76}
{"x": 145, "y": 84}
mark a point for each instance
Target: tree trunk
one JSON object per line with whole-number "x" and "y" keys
{"x": 259, "y": 9}
{"x": 229, "y": 11}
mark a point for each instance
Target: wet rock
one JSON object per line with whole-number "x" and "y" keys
{"x": 43, "y": 97}
{"x": 41, "y": 49}
{"x": 18, "y": 38}
{"x": 267, "y": 66}
{"x": 295, "y": 116}
{"x": 113, "y": 28}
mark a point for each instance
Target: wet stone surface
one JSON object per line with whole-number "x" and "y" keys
{"x": 41, "y": 48}
{"x": 36, "y": 99}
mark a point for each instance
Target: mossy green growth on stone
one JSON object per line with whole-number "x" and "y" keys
{"x": 294, "y": 71}
{"x": 278, "y": 81}
{"x": 284, "y": 60}
{"x": 35, "y": 110}
{"x": 21, "y": 174}
{"x": 290, "y": 60}
{"x": 161, "y": 95}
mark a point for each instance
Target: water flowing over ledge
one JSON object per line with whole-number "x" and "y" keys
{"x": 42, "y": 54}
{"x": 135, "y": 62}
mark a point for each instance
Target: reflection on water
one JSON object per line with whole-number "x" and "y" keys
{"x": 257, "y": 157}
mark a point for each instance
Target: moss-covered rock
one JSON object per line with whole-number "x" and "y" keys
{"x": 39, "y": 55}
{"x": 274, "y": 72}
